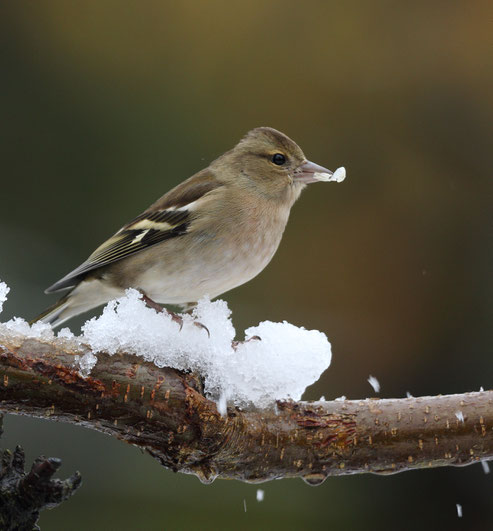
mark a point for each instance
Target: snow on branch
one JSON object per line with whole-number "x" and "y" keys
{"x": 276, "y": 361}
{"x": 165, "y": 412}
{"x": 204, "y": 404}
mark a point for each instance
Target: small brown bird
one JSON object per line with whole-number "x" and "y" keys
{"x": 211, "y": 233}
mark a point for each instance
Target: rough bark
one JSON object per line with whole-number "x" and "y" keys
{"x": 165, "y": 412}
{"x": 23, "y": 495}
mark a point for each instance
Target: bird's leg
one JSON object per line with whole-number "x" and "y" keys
{"x": 160, "y": 309}
{"x": 174, "y": 316}
{"x": 235, "y": 344}
{"x": 188, "y": 308}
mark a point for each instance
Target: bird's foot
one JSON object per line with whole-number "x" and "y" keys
{"x": 177, "y": 318}
{"x": 236, "y": 344}
{"x": 198, "y": 324}
{"x": 161, "y": 309}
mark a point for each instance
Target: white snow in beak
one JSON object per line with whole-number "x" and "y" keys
{"x": 338, "y": 176}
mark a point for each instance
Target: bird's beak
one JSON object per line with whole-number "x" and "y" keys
{"x": 309, "y": 172}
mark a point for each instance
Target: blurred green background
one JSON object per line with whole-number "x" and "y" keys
{"x": 105, "y": 105}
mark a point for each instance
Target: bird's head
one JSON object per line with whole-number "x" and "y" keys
{"x": 273, "y": 163}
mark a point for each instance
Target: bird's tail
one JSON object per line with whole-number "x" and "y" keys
{"x": 84, "y": 297}
{"x": 57, "y": 314}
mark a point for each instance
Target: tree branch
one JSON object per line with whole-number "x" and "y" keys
{"x": 165, "y": 412}
{"x": 23, "y": 495}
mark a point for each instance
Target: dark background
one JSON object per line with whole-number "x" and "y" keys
{"x": 105, "y": 105}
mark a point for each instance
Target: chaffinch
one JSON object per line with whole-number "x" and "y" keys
{"x": 211, "y": 233}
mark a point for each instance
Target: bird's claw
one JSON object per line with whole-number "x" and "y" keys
{"x": 179, "y": 319}
{"x": 174, "y": 316}
{"x": 198, "y": 324}
{"x": 236, "y": 344}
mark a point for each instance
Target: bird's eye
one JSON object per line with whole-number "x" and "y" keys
{"x": 279, "y": 159}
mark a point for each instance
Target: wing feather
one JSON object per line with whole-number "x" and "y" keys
{"x": 168, "y": 218}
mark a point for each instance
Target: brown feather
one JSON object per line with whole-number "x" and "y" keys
{"x": 188, "y": 191}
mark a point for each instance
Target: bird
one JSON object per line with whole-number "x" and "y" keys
{"x": 213, "y": 232}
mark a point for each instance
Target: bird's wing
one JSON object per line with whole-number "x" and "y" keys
{"x": 168, "y": 218}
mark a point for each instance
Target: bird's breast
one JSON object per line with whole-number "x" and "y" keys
{"x": 211, "y": 260}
